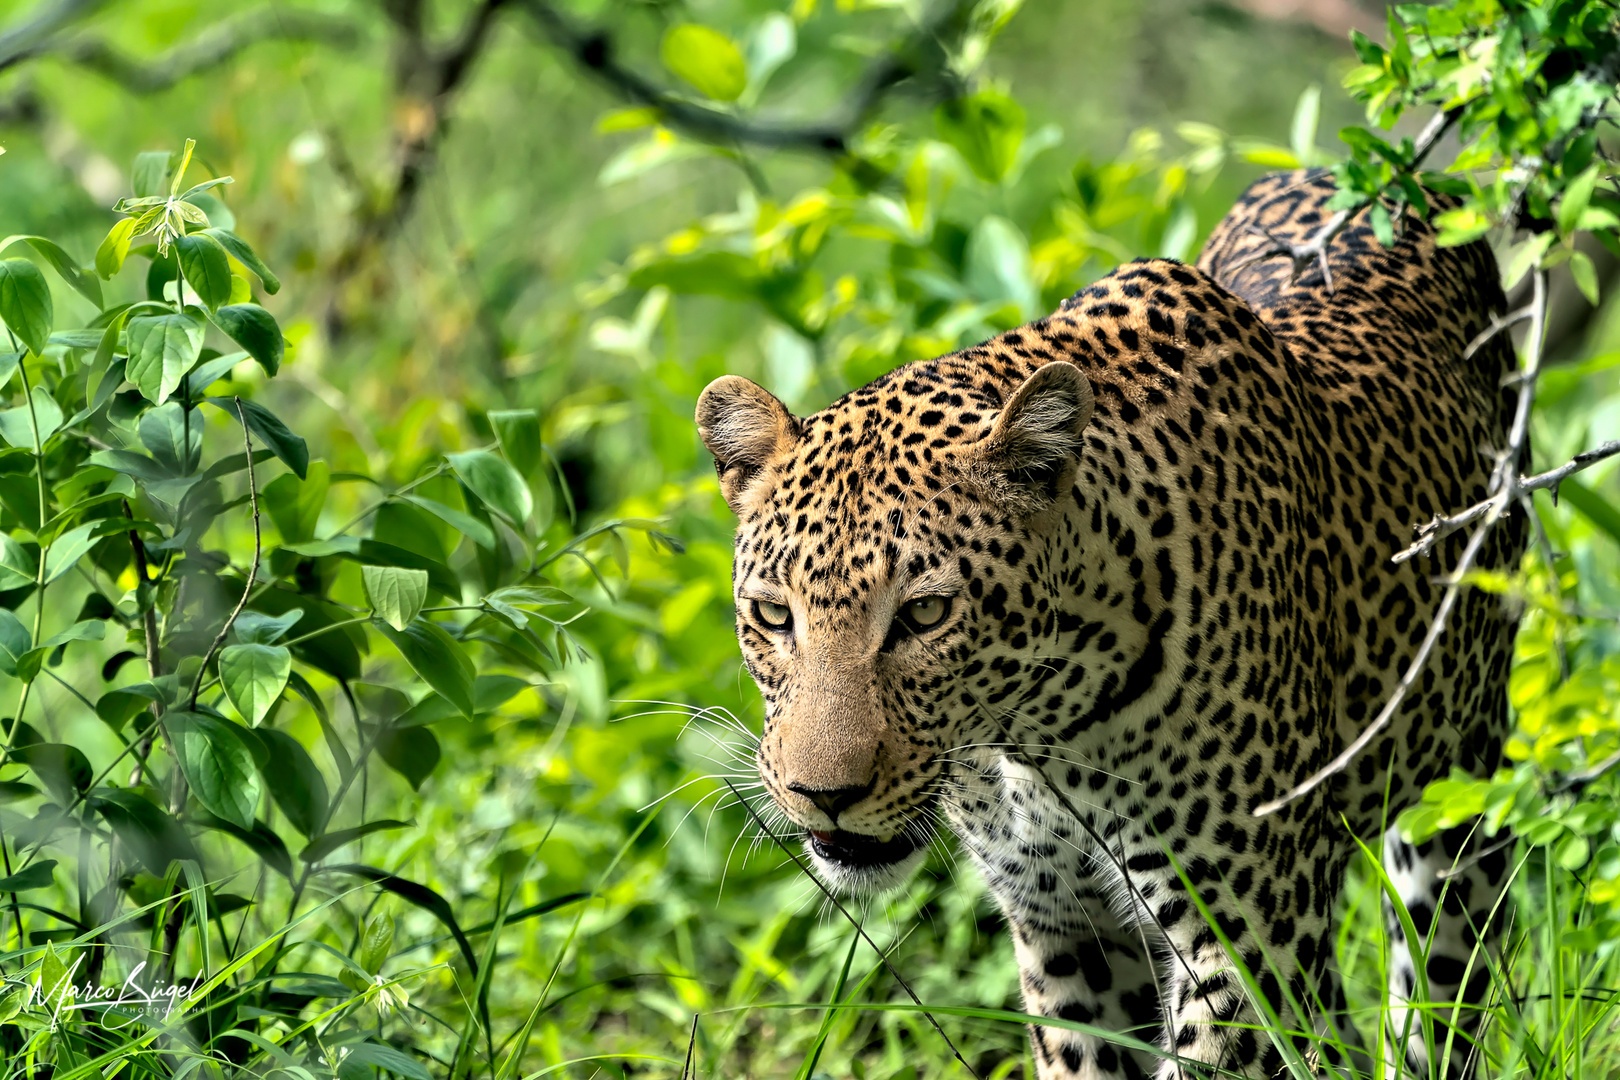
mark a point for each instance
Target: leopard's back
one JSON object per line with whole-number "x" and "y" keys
{"x": 1406, "y": 425}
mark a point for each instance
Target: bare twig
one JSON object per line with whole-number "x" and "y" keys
{"x": 213, "y": 48}
{"x": 859, "y": 929}
{"x": 1316, "y": 248}
{"x": 1505, "y": 489}
{"x": 1587, "y": 775}
{"x": 1302, "y": 255}
{"x": 253, "y": 571}
{"x": 919, "y": 53}
{"x": 1498, "y": 324}
{"x": 21, "y": 42}
{"x": 428, "y": 78}
{"x": 1441, "y": 527}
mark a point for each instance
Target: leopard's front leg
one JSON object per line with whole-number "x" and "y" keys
{"x": 1220, "y": 999}
{"x": 1102, "y": 976}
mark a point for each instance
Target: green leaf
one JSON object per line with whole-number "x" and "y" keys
{"x": 413, "y": 752}
{"x": 255, "y": 329}
{"x": 295, "y": 505}
{"x": 117, "y": 708}
{"x": 1577, "y": 195}
{"x": 36, "y": 876}
{"x": 210, "y": 372}
{"x": 114, "y": 248}
{"x": 1585, "y": 276}
{"x": 25, "y": 303}
{"x": 18, "y": 567}
{"x": 148, "y": 833}
{"x": 418, "y": 894}
{"x": 325, "y": 845}
{"x": 260, "y": 839}
{"x": 492, "y": 691}
{"x": 475, "y": 530}
{"x": 296, "y": 785}
{"x": 707, "y": 59}
{"x": 173, "y": 434}
{"x": 55, "y": 978}
{"x": 242, "y": 253}
{"x": 396, "y": 594}
{"x": 1523, "y": 256}
{"x": 130, "y": 463}
{"x": 68, "y": 549}
{"x": 207, "y": 270}
{"x": 1594, "y": 507}
{"x": 290, "y": 448}
{"x": 389, "y": 1059}
{"x": 81, "y": 281}
{"x": 63, "y": 769}
{"x": 495, "y": 482}
{"x": 377, "y": 942}
{"x": 151, "y": 172}
{"x": 439, "y": 659}
{"x": 710, "y": 273}
{"x": 12, "y": 1002}
{"x": 518, "y": 432}
{"x": 162, "y": 349}
{"x": 218, "y": 765}
{"x": 254, "y": 628}
{"x": 15, "y": 640}
{"x": 986, "y": 128}
{"x": 1302, "y": 133}
{"x": 253, "y": 677}
{"x": 17, "y": 426}
{"x": 28, "y": 663}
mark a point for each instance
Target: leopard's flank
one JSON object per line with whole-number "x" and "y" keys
{"x": 1096, "y": 589}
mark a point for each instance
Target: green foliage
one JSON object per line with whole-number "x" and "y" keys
{"x": 125, "y": 489}
{"x": 1526, "y": 87}
{"x": 439, "y": 817}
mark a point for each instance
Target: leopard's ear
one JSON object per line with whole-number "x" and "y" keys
{"x": 745, "y": 428}
{"x": 1030, "y": 456}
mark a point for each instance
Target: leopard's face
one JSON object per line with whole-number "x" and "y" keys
{"x": 876, "y": 546}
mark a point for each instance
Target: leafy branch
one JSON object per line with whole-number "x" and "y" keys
{"x": 922, "y": 54}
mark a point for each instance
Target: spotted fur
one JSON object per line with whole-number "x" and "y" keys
{"x": 1162, "y": 520}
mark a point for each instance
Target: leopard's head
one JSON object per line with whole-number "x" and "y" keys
{"x": 884, "y": 562}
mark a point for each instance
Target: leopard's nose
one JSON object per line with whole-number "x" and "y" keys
{"x": 834, "y": 801}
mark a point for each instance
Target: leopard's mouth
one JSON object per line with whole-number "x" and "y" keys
{"x": 862, "y": 865}
{"x": 853, "y": 851}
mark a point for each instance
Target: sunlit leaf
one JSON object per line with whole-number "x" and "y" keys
{"x": 253, "y": 677}
{"x": 707, "y": 59}
{"x": 25, "y": 303}
{"x": 396, "y": 593}
{"x": 162, "y": 349}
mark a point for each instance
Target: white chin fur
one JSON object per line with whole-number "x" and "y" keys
{"x": 865, "y": 880}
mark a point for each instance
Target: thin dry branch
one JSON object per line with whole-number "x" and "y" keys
{"x": 1498, "y": 324}
{"x": 1504, "y": 488}
{"x": 920, "y": 53}
{"x": 1315, "y": 250}
{"x": 212, "y": 48}
{"x": 1441, "y": 527}
{"x": 433, "y": 76}
{"x": 21, "y": 41}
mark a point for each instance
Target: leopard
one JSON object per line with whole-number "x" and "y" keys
{"x": 1091, "y": 593}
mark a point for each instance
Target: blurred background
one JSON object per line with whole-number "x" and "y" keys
{"x": 592, "y": 209}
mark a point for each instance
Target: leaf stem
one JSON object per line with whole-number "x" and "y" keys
{"x": 258, "y": 554}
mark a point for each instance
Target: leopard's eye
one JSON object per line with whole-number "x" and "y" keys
{"x": 775, "y": 616}
{"x": 926, "y": 612}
